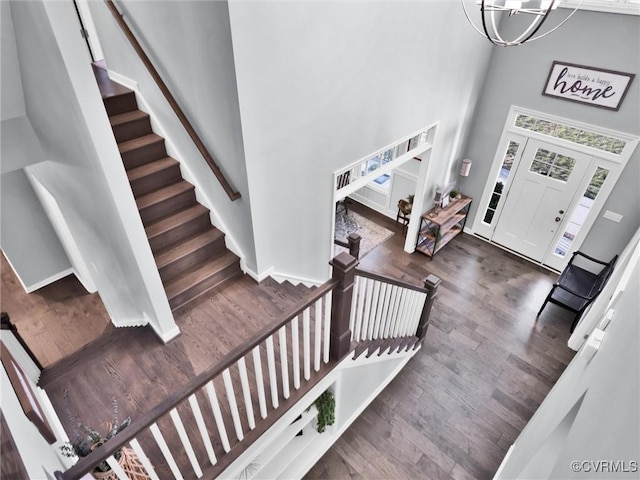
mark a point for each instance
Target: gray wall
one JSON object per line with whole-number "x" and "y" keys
{"x": 517, "y": 76}
{"x": 11, "y": 83}
{"x": 323, "y": 84}
{"x": 189, "y": 43}
{"x": 85, "y": 174}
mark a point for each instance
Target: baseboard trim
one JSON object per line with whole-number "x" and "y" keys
{"x": 307, "y": 282}
{"x": 122, "y": 80}
{"x": 48, "y": 281}
{"x": 258, "y": 277}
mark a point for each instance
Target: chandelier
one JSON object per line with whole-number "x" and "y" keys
{"x": 539, "y": 10}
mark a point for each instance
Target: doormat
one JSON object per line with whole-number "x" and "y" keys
{"x": 371, "y": 233}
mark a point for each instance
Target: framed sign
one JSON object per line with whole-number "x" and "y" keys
{"x": 593, "y": 86}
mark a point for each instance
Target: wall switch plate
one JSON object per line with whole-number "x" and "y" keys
{"x": 616, "y": 217}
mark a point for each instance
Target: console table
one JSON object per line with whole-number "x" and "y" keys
{"x": 438, "y": 227}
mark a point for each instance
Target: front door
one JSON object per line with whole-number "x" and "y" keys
{"x": 540, "y": 195}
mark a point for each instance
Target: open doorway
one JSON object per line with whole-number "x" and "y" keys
{"x": 381, "y": 181}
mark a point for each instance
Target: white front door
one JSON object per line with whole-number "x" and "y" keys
{"x": 539, "y": 197}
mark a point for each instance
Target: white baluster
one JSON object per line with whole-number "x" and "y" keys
{"x": 354, "y": 301}
{"x": 379, "y": 307}
{"x": 306, "y": 343}
{"x": 402, "y": 307}
{"x": 317, "y": 328}
{"x": 284, "y": 360}
{"x": 164, "y": 448}
{"x": 246, "y": 392}
{"x": 202, "y": 428}
{"x": 182, "y": 433}
{"x": 362, "y": 284}
{"x": 386, "y": 308}
{"x": 233, "y": 406}
{"x": 295, "y": 348}
{"x": 390, "y": 311}
{"x": 116, "y": 468}
{"x": 367, "y": 310}
{"x": 412, "y": 313}
{"x": 144, "y": 460}
{"x": 217, "y": 415}
{"x": 257, "y": 365}
{"x": 327, "y": 323}
{"x": 273, "y": 380}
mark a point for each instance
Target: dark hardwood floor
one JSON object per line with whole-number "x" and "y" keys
{"x": 451, "y": 413}
{"x": 485, "y": 367}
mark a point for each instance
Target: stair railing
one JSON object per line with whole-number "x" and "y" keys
{"x": 233, "y": 194}
{"x": 352, "y": 243}
{"x": 387, "y": 308}
{"x": 290, "y": 357}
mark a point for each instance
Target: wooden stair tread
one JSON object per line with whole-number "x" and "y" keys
{"x": 122, "y": 118}
{"x": 139, "y": 142}
{"x": 175, "y": 219}
{"x": 163, "y": 194}
{"x": 185, "y": 281}
{"x": 188, "y": 246}
{"x": 151, "y": 168}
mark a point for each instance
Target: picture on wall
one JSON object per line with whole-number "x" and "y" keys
{"x": 594, "y": 86}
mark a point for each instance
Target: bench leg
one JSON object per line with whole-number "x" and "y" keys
{"x": 546, "y": 300}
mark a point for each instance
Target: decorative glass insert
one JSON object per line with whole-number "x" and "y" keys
{"x": 571, "y": 134}
{"x": 551, "y": 164}
{"x": 581, "y": 211}
{"x": 501, "y": 181}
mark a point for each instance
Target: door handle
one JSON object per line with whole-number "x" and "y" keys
{"x": 558, "y": 219}
{"x": 560, "y": 212}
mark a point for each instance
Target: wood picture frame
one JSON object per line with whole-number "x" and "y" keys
{"x": 593, "y": 86}
{"x": 26, "y": 396}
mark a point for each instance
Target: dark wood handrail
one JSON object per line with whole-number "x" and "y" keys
{"x": 86, "y": 464}
{"x": 233, "y": 194}
{"x": 389, "y": 280}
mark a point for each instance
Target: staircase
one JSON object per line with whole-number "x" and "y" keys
{"x": 190, "y": 253}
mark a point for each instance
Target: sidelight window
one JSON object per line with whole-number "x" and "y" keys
{"x": 501, "y": 181}
{"x": 581, "y": 211}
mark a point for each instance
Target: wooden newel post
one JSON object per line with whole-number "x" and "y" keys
{"x": 354, "y": 245}
{"x": 344, "y": 271}
{"x": 431, "y": 284}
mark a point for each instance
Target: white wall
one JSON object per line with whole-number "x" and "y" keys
{"x": 85, "y": 174}
{"x": 28, "y": 241}
{"x": 189, "y": 43}
{"x": 605, "y": 426}
{"x": 517, "y": 76}
{"x": 321, "y": 85}
{"x": 12, "y": 100}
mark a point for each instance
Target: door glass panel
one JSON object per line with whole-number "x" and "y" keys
{"x": 501, "y": 181}
{"x": 581, "y": 211}
{"x": 560, "y": 173}
{"x": 553, "y": 165}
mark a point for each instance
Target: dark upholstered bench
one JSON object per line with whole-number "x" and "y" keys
{"x": 576, "y": 287}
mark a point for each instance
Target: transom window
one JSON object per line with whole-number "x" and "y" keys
{"x": 571, "y": 134}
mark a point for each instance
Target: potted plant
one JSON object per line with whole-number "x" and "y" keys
{"x": 454, "y": 194}
{"x": 326, "y": 405}
{"x": 86, "y": 439}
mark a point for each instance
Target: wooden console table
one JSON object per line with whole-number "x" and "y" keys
{"x": 437, "y": 229}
